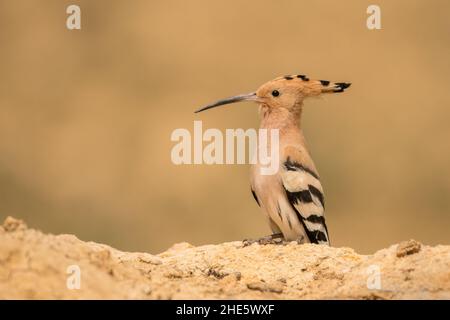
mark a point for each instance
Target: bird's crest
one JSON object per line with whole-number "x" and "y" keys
{"x": 309, "y": 86}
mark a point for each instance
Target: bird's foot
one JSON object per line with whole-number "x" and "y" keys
{"x": 276, "y": 238}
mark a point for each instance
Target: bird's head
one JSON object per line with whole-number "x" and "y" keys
{"x": 286, "y": 92}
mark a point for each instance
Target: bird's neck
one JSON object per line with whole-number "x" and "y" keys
{"x": 280, "y": 118}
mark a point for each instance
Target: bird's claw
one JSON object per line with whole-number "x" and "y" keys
{"x": 276, "y": 239}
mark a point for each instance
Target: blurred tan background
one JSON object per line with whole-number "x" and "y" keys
{"x": 86, "y": 116}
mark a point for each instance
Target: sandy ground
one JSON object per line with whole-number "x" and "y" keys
{"x": 34, "y": 265}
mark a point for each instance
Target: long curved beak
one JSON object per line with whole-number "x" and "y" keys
{"x": 242, "y": 97}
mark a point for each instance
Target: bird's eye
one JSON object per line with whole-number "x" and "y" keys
{"x": 275, "y": 93}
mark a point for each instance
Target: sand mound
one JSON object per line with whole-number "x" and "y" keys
{"x": 34, "y": 265}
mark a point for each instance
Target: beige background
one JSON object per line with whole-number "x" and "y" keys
{"x": 86, "y": 116}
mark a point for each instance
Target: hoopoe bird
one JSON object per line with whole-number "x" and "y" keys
{"x": 293, "y": 198}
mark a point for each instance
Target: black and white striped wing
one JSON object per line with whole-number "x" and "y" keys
{"x": 305, "y": 194}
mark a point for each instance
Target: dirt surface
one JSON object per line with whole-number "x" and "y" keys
{"x": 34, "y": 265}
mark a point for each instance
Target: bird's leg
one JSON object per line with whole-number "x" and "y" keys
{"x": 276, "y": 238}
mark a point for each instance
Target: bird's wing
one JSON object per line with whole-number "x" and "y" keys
{"x": 304, "y": 192}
